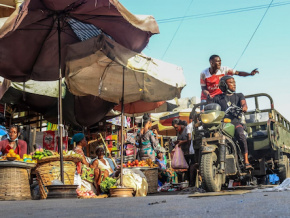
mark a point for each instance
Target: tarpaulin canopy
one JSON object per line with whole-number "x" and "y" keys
{"x": 182, "y": 115}
{"x": 96, "y": 66}
{"x": 46, "y": 88}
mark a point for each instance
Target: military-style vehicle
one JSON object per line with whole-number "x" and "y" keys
{"x": 220, "y": 155}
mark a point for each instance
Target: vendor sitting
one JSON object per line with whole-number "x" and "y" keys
{"x": 12, "y": 142}
{"x": 164, "y": 174}
{"x": 102, "y": 168}
{"x": 87, "y": 171}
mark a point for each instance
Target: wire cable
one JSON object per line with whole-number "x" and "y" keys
{"x": 219, "y": 13}
{"x": 176, "y": 31}
{"x": 253, "y": 34}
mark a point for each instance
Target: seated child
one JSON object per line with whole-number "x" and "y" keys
{"x": 164, "y": 174}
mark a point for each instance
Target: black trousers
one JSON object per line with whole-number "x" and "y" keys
{"x": 191, "y": 173}
{"x": 240, "y": 136}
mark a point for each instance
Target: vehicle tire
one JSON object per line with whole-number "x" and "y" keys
{"x": 209, "y": 172}
{"x": 284, "y": 169}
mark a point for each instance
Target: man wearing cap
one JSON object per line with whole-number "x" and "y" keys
{"x": 229, "y": 98}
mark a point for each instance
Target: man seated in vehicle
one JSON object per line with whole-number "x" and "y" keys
{"x": 229, "y": 98}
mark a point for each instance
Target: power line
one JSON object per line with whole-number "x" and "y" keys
{"x": 176, "y": 31}
{"x": 254, "y": 33}
{"x": 219, "y": 13}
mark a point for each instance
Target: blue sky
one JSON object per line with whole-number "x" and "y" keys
{"x": 226, "y": 35}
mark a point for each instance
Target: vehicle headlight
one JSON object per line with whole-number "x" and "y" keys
{"x": 211, "y": 117}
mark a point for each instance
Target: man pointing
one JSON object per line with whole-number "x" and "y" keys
{"x": 210, "y": 77}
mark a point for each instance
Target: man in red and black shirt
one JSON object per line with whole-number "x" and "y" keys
{"x": 210, "y": 77}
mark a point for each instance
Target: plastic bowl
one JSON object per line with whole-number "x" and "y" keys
{"x": 11, "y": 158}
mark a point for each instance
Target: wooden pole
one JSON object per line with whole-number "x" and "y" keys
{"x": 122, "y": 127}
{"x": 60, "y": 124}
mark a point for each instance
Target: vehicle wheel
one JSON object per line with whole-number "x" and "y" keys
{"x": 209, "y": 172}
{"x": 284, "y": 169}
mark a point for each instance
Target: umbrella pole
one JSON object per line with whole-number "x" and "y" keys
{"x": 60, "y": 124}
{"x": 134, "y": 135}
{"x": 122, "y": 128}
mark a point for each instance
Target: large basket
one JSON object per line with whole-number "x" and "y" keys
{"x": 47, "y": 172}
{"x": 14, "y": 184}
{"x": 57, "y": 158}
{"x": 152, "y": 179}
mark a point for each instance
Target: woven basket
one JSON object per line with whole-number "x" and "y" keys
{"x": 47, "y": 172}
{"x": 152, "y": 179}
{"x": 14, "y": 184}
{"x": 57, "y": 158}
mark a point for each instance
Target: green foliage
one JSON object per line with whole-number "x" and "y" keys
{"x": 107, "y": 184}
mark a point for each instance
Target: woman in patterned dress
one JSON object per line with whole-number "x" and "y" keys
{"x": 148, "y": 140}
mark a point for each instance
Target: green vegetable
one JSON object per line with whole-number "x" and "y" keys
{"x": 107, "y": 184}
{"x": 49, "y": 153}
{"x": 40, "y": 157}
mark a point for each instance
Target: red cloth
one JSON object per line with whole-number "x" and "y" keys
{"x": 20, "y": 149}
{"x": 110, "y": 143}
{"x": 48, "y": 140}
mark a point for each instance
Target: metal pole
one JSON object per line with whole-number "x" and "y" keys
{"x": 60, "y": 124}
{"x": 122, "y": 127}
{"x": 4, "y": 113}
{"x": 135, "y": 152}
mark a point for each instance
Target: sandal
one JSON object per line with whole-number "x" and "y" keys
{"x": 249, "y": 167}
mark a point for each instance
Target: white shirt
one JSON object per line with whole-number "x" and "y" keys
{"x": 189, "y": 130}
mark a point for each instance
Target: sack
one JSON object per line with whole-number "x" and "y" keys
{"x": 77, "y": 179}
{"x": 87, "y": 173}
{"x": 178, "y": 160}
{"x": 133, "y": 178}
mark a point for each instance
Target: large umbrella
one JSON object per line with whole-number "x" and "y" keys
{"x": 29, "y": 39}
{"x": 138, "y": 108}
{"x": 102, "y": 67}
{"x": 42, "y": 97}
{"x": 34, "y": 38}
{"x": 96, "y": 67}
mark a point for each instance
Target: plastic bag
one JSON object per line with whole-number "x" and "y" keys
{"x": 178, "y": 160}
{"x": 77, "y": 179}
{"x": 135, "y": 179}
{"x": 191, "y": 150}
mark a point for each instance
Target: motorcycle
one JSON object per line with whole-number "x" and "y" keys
{"x": 221, "y": 158}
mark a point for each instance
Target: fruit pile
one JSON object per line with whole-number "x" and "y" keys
{"x": 40, "y": 153}
{"x": 26, "y": 157}
{"x": 142, "y": 163}
{"x": 11, "y": 153}
{"x": 71, "y": 154}
{"x": 84, "y": 193}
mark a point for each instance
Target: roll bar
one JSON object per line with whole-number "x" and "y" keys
{"x": 261, "y": 95}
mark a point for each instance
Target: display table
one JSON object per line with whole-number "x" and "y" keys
{"x": 14, "y": 180}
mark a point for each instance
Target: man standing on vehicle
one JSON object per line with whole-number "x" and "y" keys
{"x": 210, "y": 77}
{"x": 229, "y": 98}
